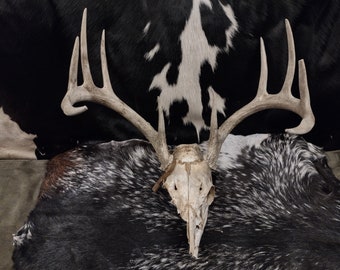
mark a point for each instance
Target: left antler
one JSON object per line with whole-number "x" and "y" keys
{"x": 263, "y": 100}
{"x": 106, "y": 96}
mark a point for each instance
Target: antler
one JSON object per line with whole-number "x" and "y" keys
{"x": 263, "y": 100}
{"x": 88, "y": 91}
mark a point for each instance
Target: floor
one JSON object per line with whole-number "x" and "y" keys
{"x": 19, "y": 186}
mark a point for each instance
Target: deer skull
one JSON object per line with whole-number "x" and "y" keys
{"x": 190, "y": 186}
{"x": 187, "y": 174}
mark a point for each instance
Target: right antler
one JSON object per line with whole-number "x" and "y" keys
{"x": 106, "y": 96}
{"x": 263, "y": 100}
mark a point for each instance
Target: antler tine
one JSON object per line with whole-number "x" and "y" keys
{"x": 262, "y": 88}
{"x": 84, "y": 57}
{"x": 106, "y": 96}
{"x": 72, "y": 93}
{"x": 287, "y": 85}
{"x": 263, "y": 100}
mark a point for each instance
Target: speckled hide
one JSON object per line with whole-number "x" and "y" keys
{"x": 276, "y": 207}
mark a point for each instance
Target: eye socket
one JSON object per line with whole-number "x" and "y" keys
{"x": 201, "y": 187}
{"x": 175, "y": 187}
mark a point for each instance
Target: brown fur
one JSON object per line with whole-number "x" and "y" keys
{"x": 54, "y": 172}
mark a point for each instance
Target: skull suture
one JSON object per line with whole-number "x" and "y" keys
{"x": 191, "y": 189}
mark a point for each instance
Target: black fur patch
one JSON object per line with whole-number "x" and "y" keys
{"x": 276, "y": 207}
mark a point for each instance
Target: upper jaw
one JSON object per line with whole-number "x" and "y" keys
{"x": 195, "y": 229}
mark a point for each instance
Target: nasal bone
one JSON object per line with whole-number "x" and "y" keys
{"x": 194, "y": 231}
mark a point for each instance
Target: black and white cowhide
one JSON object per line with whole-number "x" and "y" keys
{"x": 277, "y": 207}
{"x": 172, "y": 49}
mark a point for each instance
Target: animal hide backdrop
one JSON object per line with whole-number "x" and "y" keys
{"x": 104, "y": 206}
{"x": 276, "y": 207}
{"x": 171, "y": 49}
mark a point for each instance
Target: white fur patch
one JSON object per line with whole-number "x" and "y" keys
{"x": 195, "y": 52}
{"x": 232, "y": 148}
{"x": 23, "y": 234}
{"x": 231, "y": 31}
{"x": 146, "y": 28}
{"x": 150, "y": 55}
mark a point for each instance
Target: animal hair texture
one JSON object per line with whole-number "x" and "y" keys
{"x": 276, "y": 207}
